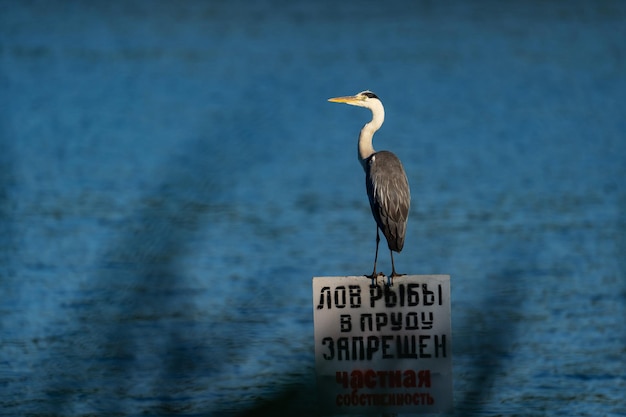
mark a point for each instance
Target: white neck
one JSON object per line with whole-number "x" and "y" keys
{"x": 365, "y": 148}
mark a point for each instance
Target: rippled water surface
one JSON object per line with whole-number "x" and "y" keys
{"x": 172, "y": 177}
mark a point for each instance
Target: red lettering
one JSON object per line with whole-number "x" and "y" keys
{"x": 342, "y": 378}
{"x": 423, "y": 379}
{"x": 354, "y": 398}
{"x": 395, "y": 379}
{"x": 356, "y": 379}
{"x": 373, "y": 379}
{"x": 382, "y": 378}
{"x": 409, "y": 380}
{"x": 370, "y": 378}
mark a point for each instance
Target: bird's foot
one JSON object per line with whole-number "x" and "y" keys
{"x": 373, "y": 276}
{"x": 391, "y": 277}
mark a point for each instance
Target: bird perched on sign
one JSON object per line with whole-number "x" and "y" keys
{"x": 385, "y": 180}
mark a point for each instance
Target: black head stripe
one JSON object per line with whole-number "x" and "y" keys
{"x": 369, "y": 94}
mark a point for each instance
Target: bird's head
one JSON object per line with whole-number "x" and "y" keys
{"x": 363, "y": 99}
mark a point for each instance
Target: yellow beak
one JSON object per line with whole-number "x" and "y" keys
{"x": 345, "y": 99}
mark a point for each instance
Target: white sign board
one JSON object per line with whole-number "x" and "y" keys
{"x": 381, "y": 349}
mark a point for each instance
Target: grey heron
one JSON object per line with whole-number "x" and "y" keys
{"x": 385, "y": 180}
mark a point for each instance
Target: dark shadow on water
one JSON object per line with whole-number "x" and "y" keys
{"x": 143, "y": 347}
{"x": 139, "y": 328}
{"x": 7, "y": 183}
{"x": 489, "y": 332}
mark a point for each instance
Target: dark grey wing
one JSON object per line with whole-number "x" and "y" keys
{"x": 389, "y": 195}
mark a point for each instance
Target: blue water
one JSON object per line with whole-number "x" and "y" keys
{"x": 172, "y": 177}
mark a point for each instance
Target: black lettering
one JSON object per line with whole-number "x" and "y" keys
{"x": 423, "y": 346}
{"x": 343, "y": 352}
{"x": 396, "y": 321}
{"x": 375, "y": 294}
{"x": 428, "y": 296}
{"x": 321, "y": 303}
{"x": 366, "y": 322}
{"x": 427, "y": 322}
{"x": 358, "y": 348}
{"x": 439, "y": 291}
{"x": 345, "y": 323}
{"x": 386, "y": 346}
{"x": 405, "y": 346}
{"x": 355, "y": 296}
{"x": 372, "y": 346}
{"x": 411, "y": 321}
{"x": 441, "y": 346}
{"x": 391, "y": 299}
{"x": 413, "y": 296}
{"x": 331, "y": 348}
{"x": 340, "y": 291}
{"x": 381, "y": 320}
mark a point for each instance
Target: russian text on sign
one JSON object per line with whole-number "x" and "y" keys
{"x": 383, "y": 349}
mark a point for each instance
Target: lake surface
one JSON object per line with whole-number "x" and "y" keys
{"x": 172, "y": 177}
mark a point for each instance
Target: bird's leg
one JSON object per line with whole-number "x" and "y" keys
{"x": 374, "y": 274}
{"x": 393, "y": 272}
